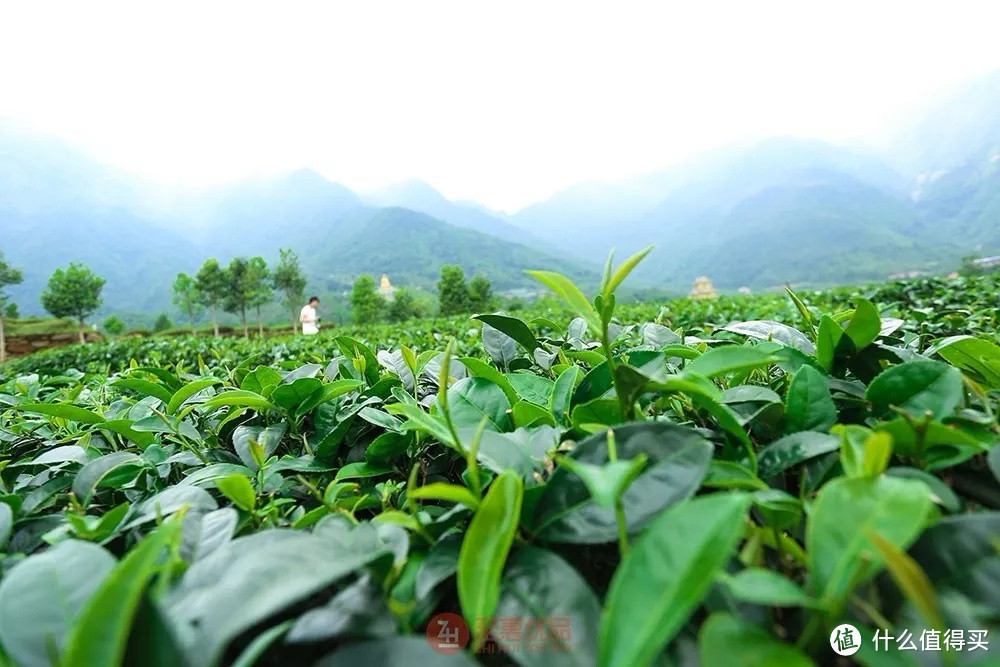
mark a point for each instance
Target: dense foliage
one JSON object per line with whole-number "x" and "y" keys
{"x": 724, "y": 480}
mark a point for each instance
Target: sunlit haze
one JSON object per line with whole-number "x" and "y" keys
{"x": 503, "y": 103}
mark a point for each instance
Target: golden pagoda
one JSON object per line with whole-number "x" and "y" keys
{"x": 385, "y": 288}
{"x": 703, "y": 289}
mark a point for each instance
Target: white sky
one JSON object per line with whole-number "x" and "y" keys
{"x": 503, "y": 102}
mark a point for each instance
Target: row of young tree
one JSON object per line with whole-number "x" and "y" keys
{"x": 455, "y": 297}
{"x": 244, "y": 286}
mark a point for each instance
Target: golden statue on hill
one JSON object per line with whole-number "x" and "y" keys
{"x": 703, "y": 289}
{"x": 385, "y": 288}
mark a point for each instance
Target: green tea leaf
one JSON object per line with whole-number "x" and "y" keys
{"x": 723, "y": 636}
{"x": 42, "y": 596}
{"x": 289, "y": 395}
{"x": 484, "y": 549}
{"x": 606, "y": 482}
{"x": 728, "y": 359}
{"x": 978, "y": 356}
{"x": 678, "y": 459}
{"x": 64, "y": 410}
{"x": 100, "y": 471}
{"x": 470, "y": 399}
{"x": 910, "y": 579}
{"x": 663, "y": 578}
{"x": 544, "y": 589}
{"x": 793, "y": 449}
{"x": 448, "y": 492}
{"x": 769, "y": 330}
{"x": 767, "y": 587}
{"x": 571, "y": 294}
{"x": 809, "y": 405}
{"x": 918, "y": 387}
{"x": 240, "y": 397}
{"x": 99, "y": 636}
{"x": 360, "y": 470}
{"x": 865, "y": 324}
{"x": 6, "y": 523}
{"x": 146, "y": 388}
{"x": 841, "y": 553}
{"x": 622, "y": 272}
{"x": 960, "y": 553}
{"x": 238, "y": 488}
{"x": 262, "y": 380}
{"x": 827, "y": 341}
{"x": 512, "y": 327}
{"x": 561, "y": 400}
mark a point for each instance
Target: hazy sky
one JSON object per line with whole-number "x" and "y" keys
{"x": 502, "y": 102}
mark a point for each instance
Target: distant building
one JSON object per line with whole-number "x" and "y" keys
{"x": 703, "y": 289}
{"x": 385, "y": 288}
{"x": 905, "y": 275}
{"x": 745, "y": 290}
{"x": 987, "y": 263}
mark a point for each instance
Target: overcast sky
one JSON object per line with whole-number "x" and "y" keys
{"x": 503, "y": 102}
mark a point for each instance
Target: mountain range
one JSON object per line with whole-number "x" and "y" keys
{"x": 783, "y": 210}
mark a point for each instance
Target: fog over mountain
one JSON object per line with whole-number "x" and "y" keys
{"x": 761, "y": 214}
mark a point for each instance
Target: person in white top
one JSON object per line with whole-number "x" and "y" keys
{"x": 309, "y": 318}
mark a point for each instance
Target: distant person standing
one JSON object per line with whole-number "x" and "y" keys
{"x": 309, "y": 318}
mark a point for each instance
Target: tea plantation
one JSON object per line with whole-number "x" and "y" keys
{"x": 720, "y": 482}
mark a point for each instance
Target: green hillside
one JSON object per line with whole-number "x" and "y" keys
{"x": 965, "y": 202}
{"x": 411, "y": 247}
{"x": 834, "y": 232}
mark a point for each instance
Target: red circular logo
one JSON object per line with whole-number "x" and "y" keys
{"x": 447, "y": 633}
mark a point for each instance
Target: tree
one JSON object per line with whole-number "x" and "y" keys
{"x": 11, "y": 312}
{"x": 113, "y": 326}
{"x": 366, "y": 303}
{"x": 453, "y": 294}
{"x": 288, "y": 280}
{"x": 481, "y": 295}
{"x": 210, "y": 282}
{"x": 403, "y": 307}
{"x": 513, "y": 304}
{"x": 73, "y": 292}
{"x": 186, "y": 297}
{"x": 239, "y": 290}
{"x": 261, "y": 294}
{"x": 8, "y": 276}
{"x": 162, "y": 323}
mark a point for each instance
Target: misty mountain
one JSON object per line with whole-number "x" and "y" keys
{"x": 953, "y": 156}
{"x": 294, "y": 209}
{"x": 769, "y": 213}
{"x": 962, "y": 127}
{"x": 58, "y": 206}
{"x": 417, "y": 195}
{"x": 746, "y": 201}
{"x": 965, "y": 203}
{"x": 836, "y": 229}
{"x": 782, "y": 210}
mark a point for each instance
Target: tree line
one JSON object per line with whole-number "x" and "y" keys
{"x": 242, "y": 288}
{"x": 455, "y": 297}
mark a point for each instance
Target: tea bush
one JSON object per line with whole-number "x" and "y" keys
{"x": 714, "y": 482}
